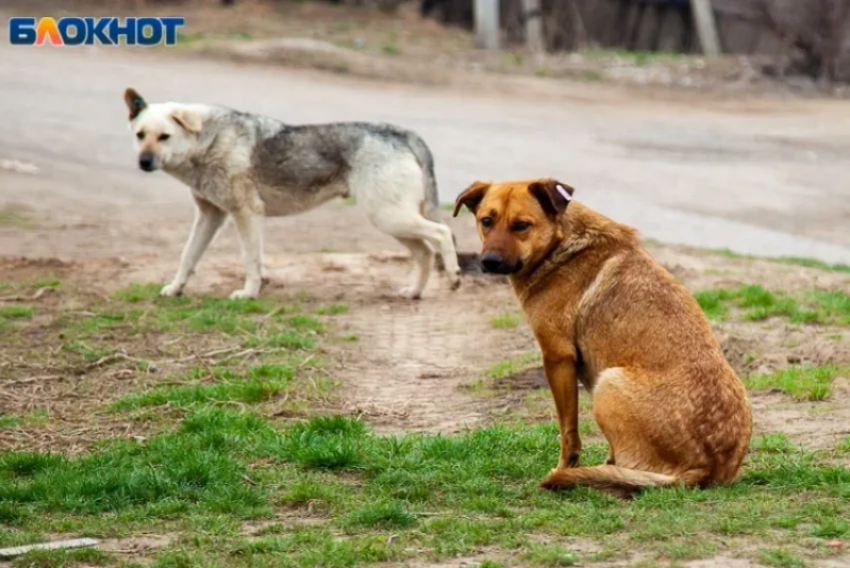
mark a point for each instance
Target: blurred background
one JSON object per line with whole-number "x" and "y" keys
{"x": 716, "y": 124}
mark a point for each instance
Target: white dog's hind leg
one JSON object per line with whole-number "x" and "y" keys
{"x": 208, "y": 220}
{"x": 423, "y": 258}
{"x": 409, "y": 226}
{"x": 439, "y": 236}
{"x": 250, "y": 228}
{"x": 390, "y": 189}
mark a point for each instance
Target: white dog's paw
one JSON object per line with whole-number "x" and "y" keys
{"x": 244, "y": 295}
{"x": 171, "y": 290}
{"x": 410, "y": 293}
{"x": 454, "y": 279}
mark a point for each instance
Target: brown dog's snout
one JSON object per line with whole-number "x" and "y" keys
{"x": 496, "y": 263}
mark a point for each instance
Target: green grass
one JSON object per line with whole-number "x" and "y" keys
{"x": 780, "y": 558}
{"x": 9, "y": 421}
{"x": 505, "y": 321}
{"x": 791, "y": 260}
{"x": 518, "y": 364}
{"x": 62, "y": 558}
{"x": 814, "y": 263}
{"x": 138, "y": 310}
{"x": 390, "y": 49}
{"x": 331, "y": 492}
{"x": 755, "y": 303}
{"x": 688, "y": 549}
{"x": 637, "y": 57}
{"x": 16, "y": 312}
{"x": 381, "y": 515}
{"x": 136, "y": 292}
{"x": 592, "y": 76}
{"x": 45, "y": 282}
{"x": 379, "y": 498}
{"x": 451, "y": 207}
{"x": 551, "y": 555}
{"x": 802, "y": 383}
{"x": 34, "y": 418}
{"x": 87, "y": 352}
{"x": 257, "y": 385}
{"x": 332, "y": 309}
{"x": 775, "y": 443}
{"x": 15, "y": 219}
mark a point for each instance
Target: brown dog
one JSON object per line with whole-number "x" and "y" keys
{"x": 606, "y": 314}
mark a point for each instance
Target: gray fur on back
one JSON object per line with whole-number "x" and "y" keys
{"x": 308, "y": 159}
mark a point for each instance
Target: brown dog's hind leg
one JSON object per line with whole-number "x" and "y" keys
{"x": 651, "y": 446}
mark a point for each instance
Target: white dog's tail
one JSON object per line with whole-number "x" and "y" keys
{"x": 431, "y": 206}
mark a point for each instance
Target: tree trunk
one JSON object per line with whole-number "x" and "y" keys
{"x": 579, "y": 32}
{"x": 533, "y": 18}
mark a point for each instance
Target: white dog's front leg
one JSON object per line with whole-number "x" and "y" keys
{"x": 250, "y": 228}
{"x": 208, "y": 220}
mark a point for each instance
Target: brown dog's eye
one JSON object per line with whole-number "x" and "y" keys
{"x": 164, "y": 137}
{"x": 520, "y": 226}
{"x": 140, "y": 134}
{"x": 486, "y": 222}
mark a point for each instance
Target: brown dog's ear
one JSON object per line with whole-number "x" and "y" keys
{"x": 553, "y": 195}
{"x": 471, "y": 196}
{"x": 189, "y": 119}
{"x": 135, "y": 102}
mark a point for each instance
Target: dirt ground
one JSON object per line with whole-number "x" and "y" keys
{"x": 414, "y": 365}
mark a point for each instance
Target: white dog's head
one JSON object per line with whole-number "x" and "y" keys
{"x": 164, "y": 132}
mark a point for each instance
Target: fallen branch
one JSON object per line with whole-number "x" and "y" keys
{"x": 37, "y": 379}
{"x": 38, "y": 294}
{"x": 116, "y": 357}
{"x": 56, "y": 545}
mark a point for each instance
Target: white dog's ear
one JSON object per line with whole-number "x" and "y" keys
{"x": 135, "y": 102}
{"x": 188, "y": 118}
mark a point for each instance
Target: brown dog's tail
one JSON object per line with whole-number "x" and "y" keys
{"x": 610, "y": 478}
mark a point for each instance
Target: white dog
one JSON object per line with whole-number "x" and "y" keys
{"x": 250, "y": 167}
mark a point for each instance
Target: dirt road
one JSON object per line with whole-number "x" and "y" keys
{"x": 766, "y": 178}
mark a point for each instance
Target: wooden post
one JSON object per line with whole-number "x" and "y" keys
{"x": 533, "y": 17}
{"x": 487, "y": 24}
{"x": 706, "y": 26}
